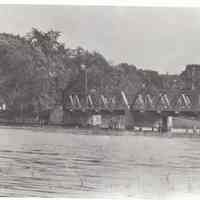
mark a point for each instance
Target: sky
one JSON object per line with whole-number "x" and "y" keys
{"x": 162, "y": 39}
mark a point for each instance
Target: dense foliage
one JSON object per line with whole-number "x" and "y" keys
{"x": 36, "y": 70}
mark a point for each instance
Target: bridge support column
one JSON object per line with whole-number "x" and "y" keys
{"x": 129, "y": 119}
{"x": 166, "y": 123}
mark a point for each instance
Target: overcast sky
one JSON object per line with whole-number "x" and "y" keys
{"x": 163, "y": 39}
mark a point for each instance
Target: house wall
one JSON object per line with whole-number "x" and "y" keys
{"x": 113, "y": 121}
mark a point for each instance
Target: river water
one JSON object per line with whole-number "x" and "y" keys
{"x": 66, "y": 163}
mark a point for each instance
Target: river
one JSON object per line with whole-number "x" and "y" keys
{"x": 43, "y": 162}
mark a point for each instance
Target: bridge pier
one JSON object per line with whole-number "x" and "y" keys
{"x": 129, "y": 119}
{"x": 166, "y": 123}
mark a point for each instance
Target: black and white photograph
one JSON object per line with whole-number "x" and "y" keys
{"x": 99, "y": 101}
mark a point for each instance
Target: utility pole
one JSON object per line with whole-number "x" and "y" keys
{"x": 193, "y": 78}
{"x": 83, "y": 67}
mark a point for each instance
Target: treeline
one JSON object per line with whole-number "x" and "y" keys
{"x": 37, "y": 69}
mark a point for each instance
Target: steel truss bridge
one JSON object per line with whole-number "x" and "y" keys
{"x": 161, "y": 103}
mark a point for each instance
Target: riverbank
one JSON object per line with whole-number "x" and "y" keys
{"x": 97, "y": 131}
